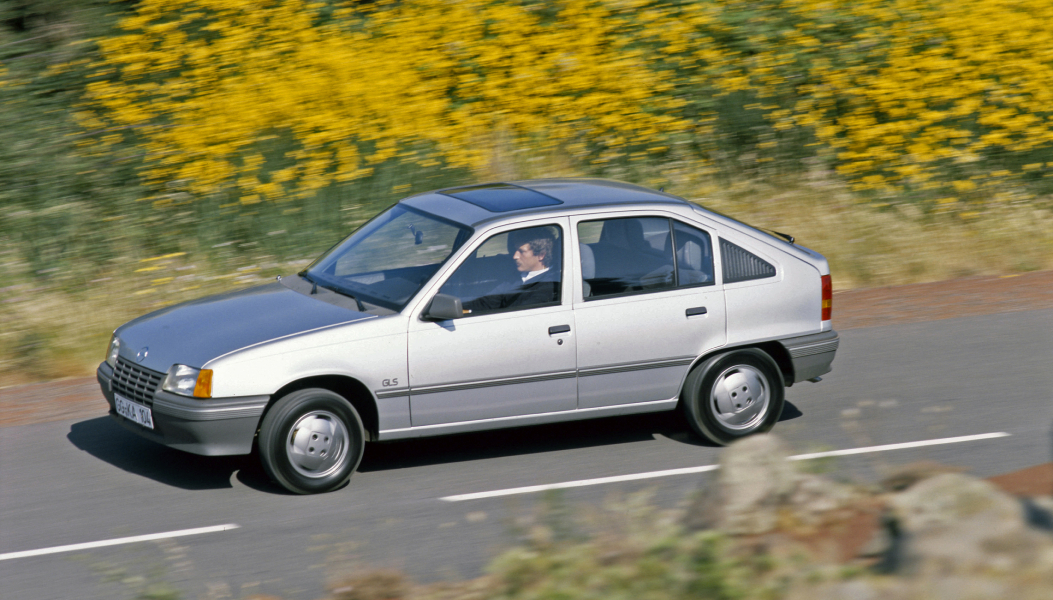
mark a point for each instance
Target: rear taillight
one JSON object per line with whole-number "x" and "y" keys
{"x": 828, "y": 298}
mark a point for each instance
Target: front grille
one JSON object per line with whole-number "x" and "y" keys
{"x": 136, "y": 383}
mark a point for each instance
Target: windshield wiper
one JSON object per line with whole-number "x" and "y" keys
{"x": 343, "y": 292}
{"x": 332, "y": 288}
{"x": 314, "y": 284}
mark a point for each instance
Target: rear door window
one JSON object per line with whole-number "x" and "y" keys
{"x": 642, "y": 254}
{"x": 694, "y": 255}
{"x": 626, "y": 256}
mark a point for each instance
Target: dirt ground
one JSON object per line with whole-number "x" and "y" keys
{"x": 969, "y": 297}
{"x": 80, "y": 398}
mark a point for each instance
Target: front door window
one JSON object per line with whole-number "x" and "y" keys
{"x": 513, "y": 270}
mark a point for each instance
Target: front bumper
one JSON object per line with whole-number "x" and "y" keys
{"x": 812, "y": 355}
{"x": 212, "y": 427}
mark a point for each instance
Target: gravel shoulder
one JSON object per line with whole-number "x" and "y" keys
{"x": 77, "y": 398}
{"x": 968, "y": 297}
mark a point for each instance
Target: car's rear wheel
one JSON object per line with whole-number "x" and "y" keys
{"x": 733, "y": 395}
{"x": 311, "y": 441}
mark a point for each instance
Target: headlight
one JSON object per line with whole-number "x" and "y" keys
{"x": 111, "y": 354}
{"x": 189, "y": 381}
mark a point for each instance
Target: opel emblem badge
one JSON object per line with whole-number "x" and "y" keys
{"x": 141, "y": 355}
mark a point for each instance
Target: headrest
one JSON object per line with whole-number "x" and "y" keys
{"x": 690, "y": 255}
{"x": 624, "y": 233}
{"x": 588, "y": 262}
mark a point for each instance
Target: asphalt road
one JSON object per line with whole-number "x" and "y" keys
{"x": 86, "y": 481}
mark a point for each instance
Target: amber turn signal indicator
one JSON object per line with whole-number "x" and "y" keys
{"x": 203, "y": 387}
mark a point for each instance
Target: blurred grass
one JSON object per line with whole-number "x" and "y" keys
{"x": 57, "y": 322}
{"x": 631, "y": 550}
{"x": 85, "y": 247}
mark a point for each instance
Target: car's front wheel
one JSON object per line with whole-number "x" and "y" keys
{"x": 311, "y": 441}
{"x": 732, "y": 395}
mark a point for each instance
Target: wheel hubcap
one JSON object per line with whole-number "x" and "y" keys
{"x": 740, "y": 398}
{"x": 317, "y": 444}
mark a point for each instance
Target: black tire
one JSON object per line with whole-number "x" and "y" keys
{"x": 733, "y": 395}
{"x": 311, "y": 441}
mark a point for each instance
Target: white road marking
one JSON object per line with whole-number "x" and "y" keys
{"x": 118, "y": 541}
{"x": 887, "y": 447}
{"x": 702, "y": 469}
{"x": 581, "y": 483}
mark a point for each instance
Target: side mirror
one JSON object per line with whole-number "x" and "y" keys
{"x": 444, "y": 307}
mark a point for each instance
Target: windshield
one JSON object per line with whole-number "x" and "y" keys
{"x": 389, "y": 259}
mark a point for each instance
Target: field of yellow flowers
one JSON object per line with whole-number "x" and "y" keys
{"x": 154, "y": 151}
{"x": 945, "y": 101}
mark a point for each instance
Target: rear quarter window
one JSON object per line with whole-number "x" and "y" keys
{"x": 739, "y": 264}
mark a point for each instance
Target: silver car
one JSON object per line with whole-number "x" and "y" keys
{"x": 497, "y": 305}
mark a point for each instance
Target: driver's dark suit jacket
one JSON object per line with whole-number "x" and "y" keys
{"x": 543, "y": 289}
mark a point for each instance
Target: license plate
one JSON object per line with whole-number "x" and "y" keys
{"x": 133, "y": 411}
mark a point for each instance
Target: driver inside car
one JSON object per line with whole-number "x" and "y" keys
{"x": 538, "y": 281}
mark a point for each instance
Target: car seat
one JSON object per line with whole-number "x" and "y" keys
{"x": 588, "y": 269}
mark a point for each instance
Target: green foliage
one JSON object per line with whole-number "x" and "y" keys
{"x": 753, "y": 80}
{"x": 762, "y": 103}
{"x": 51, "y": 198}
{"x": 671, "y": 567}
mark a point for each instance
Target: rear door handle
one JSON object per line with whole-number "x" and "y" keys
{"x": 698, "y": 310}
{"x": 558, "y": 329}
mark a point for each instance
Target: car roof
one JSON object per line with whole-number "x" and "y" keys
{"x": 476, "y": 204}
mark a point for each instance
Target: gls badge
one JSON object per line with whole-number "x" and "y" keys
{"x": 390, "y": 382}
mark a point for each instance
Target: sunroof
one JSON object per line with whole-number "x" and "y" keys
{"x": 502, "y": 197}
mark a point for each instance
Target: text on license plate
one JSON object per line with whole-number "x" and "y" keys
{"x": 134, "y": 411}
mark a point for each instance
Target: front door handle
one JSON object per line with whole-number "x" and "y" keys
{"x": 558, "y": 329}
{"x": 698, "y": 310}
